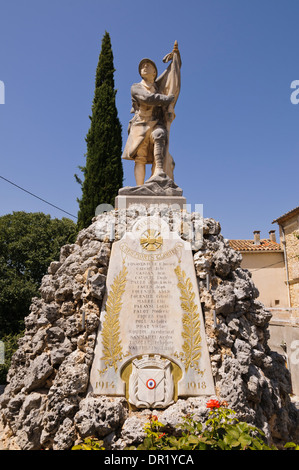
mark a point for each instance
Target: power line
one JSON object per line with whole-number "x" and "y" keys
{"x": 37, "y": 197}
{"x": 273, "y": 264}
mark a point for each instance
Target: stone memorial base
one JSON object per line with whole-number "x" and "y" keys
{"x": 159, "y": 185}
{"x": 174, "y": 202}
{"x": 103, "y": 327}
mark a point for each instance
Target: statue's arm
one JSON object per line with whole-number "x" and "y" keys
{"x": 153, "y": 99}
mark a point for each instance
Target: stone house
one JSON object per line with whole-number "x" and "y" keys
{"x": 264, "y": 258}
{"x": 289, "y": 236}
{"x": 275, "y": 272}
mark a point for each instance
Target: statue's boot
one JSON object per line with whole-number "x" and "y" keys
{"x": 159, "y": 147}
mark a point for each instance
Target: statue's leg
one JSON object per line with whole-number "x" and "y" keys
{"x": 139, "y": 169}
{"x": 159, "y": 136}
{"x": 169, "y": 165}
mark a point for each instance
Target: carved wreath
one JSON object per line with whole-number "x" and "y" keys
{"x": 191, "y": 322}
{"x": 112, "y": 347}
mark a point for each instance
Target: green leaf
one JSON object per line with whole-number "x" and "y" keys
{"x": 256, "y": 445}
{"x": 147, "y": 443}
{"x": 233, "y": 433}
{"x": 173, "y": 441}
{"x": 228, "y": 439}
{"x": 242, "y": 427}
{"x": 221, "y": 444}
{"x": 193, "y": 439}
{"x": 291, "y": 445}
{"x": 235, "y": 443}
{"x": 245, "y": 440}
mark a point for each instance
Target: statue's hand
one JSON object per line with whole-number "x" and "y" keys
{"x": 170, "y": 116}
{"x": 168, "y": 57}
{"x": 167, "y": 99}
{"x": 170, "y": 98}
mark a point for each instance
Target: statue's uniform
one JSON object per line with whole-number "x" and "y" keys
{"x": 147, "y": 125}
{"x": 148, "y": 131}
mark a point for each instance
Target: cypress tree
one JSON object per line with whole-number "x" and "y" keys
{"x": 103, "y": 172}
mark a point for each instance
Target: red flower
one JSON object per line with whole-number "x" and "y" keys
{"x": 153, "y": 417}
{"x": 213, "y": 404}
{"x": 161, "y": 435}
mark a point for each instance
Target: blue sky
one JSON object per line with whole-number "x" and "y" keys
{"x": 235, "y": 139}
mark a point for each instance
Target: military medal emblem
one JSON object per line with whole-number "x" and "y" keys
{"x": 151, "y": 240}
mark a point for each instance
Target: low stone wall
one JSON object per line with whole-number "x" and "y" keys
{"x": 46, "y": 404}
{"x": 284, "y": 338}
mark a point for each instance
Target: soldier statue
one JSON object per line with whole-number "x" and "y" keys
{"x": 153, "y": 102}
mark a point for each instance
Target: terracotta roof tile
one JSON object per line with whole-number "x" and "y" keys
{"x": 248, "y": 245}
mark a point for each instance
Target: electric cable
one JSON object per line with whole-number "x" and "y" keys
{"x": 41, "y": 199}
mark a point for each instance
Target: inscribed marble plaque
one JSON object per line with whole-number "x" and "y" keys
{"x": 151, "y": 323}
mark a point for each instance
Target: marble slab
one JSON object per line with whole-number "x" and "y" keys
{"x": 175, "y": 202}
{"x": 151, "y": 345}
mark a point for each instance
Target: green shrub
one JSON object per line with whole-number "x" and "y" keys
{"x": 221, "y": 431}
{"x": 89, "y": 443}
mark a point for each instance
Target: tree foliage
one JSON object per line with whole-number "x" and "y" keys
{"x": 10, "y": 343}
{"x": 103, "y": 172}
{"x": 28, "y": 244}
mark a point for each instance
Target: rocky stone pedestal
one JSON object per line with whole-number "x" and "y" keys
{"x": 47, "y": 403}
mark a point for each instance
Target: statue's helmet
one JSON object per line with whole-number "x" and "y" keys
{"x": 143, "y": 61}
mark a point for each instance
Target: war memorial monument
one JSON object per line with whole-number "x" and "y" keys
{"x": 148, "y": 311}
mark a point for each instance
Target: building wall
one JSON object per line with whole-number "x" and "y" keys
{"x": 284, "y": 339}
{"x": 291, "y": 229}
{"x": 269, "y": 276}
{"x": 294, "y": 292}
